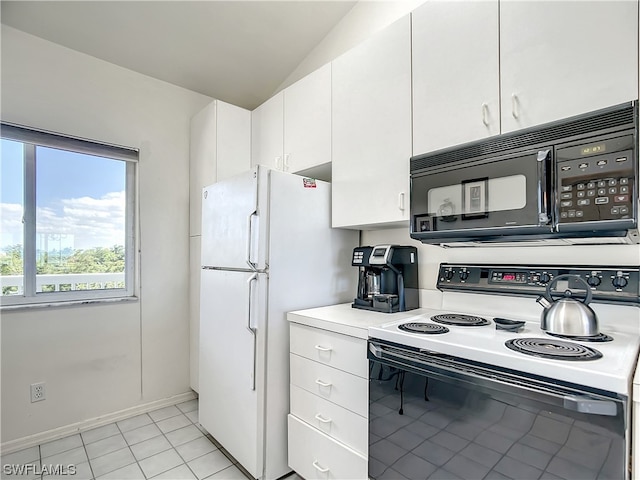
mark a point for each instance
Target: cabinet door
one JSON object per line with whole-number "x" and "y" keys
{"x": 330, "y": 348}
{"x": 267, "y": 133}
{"x": 307, "y": 121}
{"x": 202, "y": 161}
{"x": 371, "y": 130}
{"x": 314, "y": 455}
{"x": 233, "y": 140}
{"x": 456, "y": 97}
{"x": 559, "y": 59}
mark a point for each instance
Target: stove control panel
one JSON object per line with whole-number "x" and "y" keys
{"x": 608, "y": 284}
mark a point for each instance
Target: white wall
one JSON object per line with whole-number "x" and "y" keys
{"x": 430, "y": 256}
{"x": 103, "y": 358}
{"x": 366, "y": 18}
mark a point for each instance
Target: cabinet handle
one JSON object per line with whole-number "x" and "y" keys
{"x": 323, "y": 349}
{"x": 322, "y": 384}
{"x": 319, "y": 468}
{"x": 320, "y": 418}
{"x": 485, "y": 114}
{"x": 515, "y": 104}
{"x": 279, "y": 163}
{"x": 401, "y": 201}
{"x": 285, "y": 166}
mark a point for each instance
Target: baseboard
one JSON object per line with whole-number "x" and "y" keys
{"x": 60, "y": 432}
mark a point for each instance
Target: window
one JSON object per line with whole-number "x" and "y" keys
{"x": 67, "y": 210}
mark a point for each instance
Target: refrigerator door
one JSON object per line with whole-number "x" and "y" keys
{"x": 309, "y": 266}
{"x": 232, "y": 220}
{"x": 231, "y": 378}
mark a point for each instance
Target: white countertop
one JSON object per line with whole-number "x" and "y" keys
{"x": 344, "y": 319}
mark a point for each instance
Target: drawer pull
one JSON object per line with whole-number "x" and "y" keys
{"x": 323, "y": 384}
{"x": 320, "y": 418}
{"x": 319, "y": 468}
{"x": 323, "y": 349}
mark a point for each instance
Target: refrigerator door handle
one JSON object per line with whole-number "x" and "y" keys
{"x": 252, "y": 265}
{"x": 252, "y": 330}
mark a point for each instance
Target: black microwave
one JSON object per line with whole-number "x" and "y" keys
{"x": 572, "y": 179}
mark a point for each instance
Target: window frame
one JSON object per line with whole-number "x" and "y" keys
{"x": 32, "y": 138}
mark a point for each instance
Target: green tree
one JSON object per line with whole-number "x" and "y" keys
{"x": 96, "y": 260}
{"x": 11, "y": 260}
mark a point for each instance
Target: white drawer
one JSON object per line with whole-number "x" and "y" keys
{"x": 340, "y": 351}
{"x": 341, "y": 388}
{"x": 331, "y": 419}
{"x": 312, "y": 454}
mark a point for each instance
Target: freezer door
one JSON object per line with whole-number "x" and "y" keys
{"x": 231, "y": 222}
{"x": 231, "y": 377}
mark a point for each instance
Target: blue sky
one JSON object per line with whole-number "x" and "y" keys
{"x": 80, "y": 196}
{"x": 60, "y": 174}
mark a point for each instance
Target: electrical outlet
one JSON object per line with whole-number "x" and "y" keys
{"x": 37, "y": 392}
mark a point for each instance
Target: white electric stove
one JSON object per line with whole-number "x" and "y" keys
{"x": 480, "y": 405}
{"x": 613, "y": 370}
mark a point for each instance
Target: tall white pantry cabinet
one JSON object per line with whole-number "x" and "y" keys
{"x": 220, "y": 147}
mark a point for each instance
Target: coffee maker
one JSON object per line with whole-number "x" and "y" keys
{"x": 388, "y": 278}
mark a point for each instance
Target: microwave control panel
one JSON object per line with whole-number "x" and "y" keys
{"x": 607, "y": 284}
{"x": 596, "y": 181}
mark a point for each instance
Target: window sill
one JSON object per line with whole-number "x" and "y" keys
{"x": 70, "y": 303}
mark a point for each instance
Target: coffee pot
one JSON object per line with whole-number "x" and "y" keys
{"x": 568, "y": 316}
{"x": 387, "y": 278}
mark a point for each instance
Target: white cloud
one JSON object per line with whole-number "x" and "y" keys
{"x": 11, "y": 223}
{"x": 85, "y": 221}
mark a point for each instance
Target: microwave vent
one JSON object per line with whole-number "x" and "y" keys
{"x": 602, "y": 122}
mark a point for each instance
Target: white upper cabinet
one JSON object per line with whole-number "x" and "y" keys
{"x": 371, "y": 130}
{"x": 220, "y": 147}
{"x": 559, "y": 59}
{"x": 456, "y": 96}
{"x": 307, "y": 121}
{"x": 292, "y": 130}
{"x": 267, "y": 133}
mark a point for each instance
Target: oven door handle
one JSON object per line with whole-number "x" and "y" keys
{"x": 589, "y": 405}
{"x": 446, "y": 368}
{"x": 543, "y": 196}
{"x": 375, "y": 350}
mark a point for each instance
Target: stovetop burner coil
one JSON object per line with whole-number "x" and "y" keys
{"x": 553, "y": 349}
{"x": 601, "y": 337}
{"x": 460, "y": 320}
{"x": 423, "y": 328}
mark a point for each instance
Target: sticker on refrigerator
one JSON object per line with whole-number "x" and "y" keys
{"x": 309, "y": 182}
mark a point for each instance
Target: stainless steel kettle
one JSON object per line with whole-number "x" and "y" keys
{"x": 568, "y": 316}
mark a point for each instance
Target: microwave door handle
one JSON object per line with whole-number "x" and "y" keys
{"x": 543, "y": 200}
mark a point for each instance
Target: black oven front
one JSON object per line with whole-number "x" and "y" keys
{"x": 433, "y": 416}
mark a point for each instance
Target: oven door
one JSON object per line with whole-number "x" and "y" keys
{"x": 482, "y": 198}
{"x": 434, "y": 416}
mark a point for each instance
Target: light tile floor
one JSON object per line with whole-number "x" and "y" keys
{"x": 168, "y": 443}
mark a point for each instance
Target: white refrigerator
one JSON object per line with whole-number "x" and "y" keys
{"x": 267, "y": 248}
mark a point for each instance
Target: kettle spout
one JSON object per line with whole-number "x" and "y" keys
{"x": 544, "y": 302}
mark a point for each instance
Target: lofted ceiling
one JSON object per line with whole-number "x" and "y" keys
{"x": 236, "y": 51}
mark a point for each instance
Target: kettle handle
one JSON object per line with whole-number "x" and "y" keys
{"x": 588, "y": 296}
